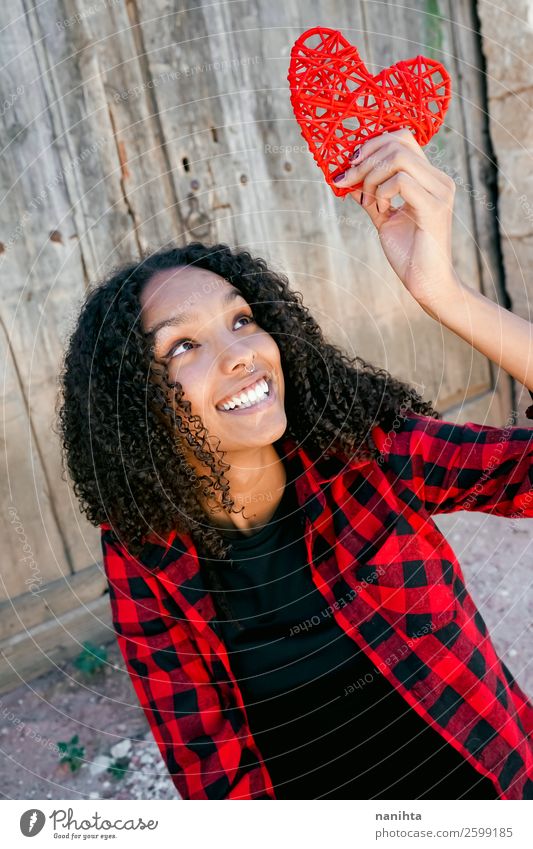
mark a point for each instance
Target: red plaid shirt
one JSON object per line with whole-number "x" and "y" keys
{"x": 394, "y": 585}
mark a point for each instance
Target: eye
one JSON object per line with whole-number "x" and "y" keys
{"x": 173, "y": 352}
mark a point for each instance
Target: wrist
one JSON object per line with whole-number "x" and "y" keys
{"x": 450, "y": 301}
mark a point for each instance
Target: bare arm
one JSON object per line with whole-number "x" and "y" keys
{"x": 416, "y": 239}
{"x": 502, "y": 336}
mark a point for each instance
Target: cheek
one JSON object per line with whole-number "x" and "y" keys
{"x": 273, "y": 355}
{"x": 195, "y": 389}
{"x": 269, "y": 349}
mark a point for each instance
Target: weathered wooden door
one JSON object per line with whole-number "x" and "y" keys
{"x": 131, "y": 125}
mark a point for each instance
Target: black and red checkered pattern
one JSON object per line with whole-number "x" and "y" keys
{"x": 394, "y": 585}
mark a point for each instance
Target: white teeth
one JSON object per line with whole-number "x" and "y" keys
{"x": 248, "y": 398}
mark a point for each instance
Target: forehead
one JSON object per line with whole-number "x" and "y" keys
{"x": 179, "y": 288}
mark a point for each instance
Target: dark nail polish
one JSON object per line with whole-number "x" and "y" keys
{"x": 338, "y": 177}
{"x": 357, "y": 152}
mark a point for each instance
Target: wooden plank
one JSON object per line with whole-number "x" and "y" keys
{"x": 482, "y": 172}
{"x": 105, "y": 85}
{"x": 491, "y": 408}
{"x": 449, "y": 366}
{"x": 25, "y": 509}
{"x": 66, "y": 216}
{"x": 136, "y": 126}
{"x": 51, "y": 599}
{"x": 201, "y": 123}
{"x": 45, "y": 647}
{"x": 43, "y": 275}
{"x": 478, "y": 174}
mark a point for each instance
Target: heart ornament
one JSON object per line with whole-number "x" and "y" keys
{"x": 339, "y": 104}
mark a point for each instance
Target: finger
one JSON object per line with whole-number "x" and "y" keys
{"x": 422, "y": 202}
{"x": 363, "y": 150}
{"x": 407, "y": 139}
{"x": 395, "y": 160}
{"x": 390, "y": 159}
{"x": 403, "y": 136}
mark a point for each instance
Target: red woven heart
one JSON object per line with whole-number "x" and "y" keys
{"x": 339, "y": 104}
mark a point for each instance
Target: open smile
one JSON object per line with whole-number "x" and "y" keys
{"x": 263, "y": 399}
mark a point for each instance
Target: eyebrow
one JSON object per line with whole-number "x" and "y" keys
{"x": 182, "y": 318}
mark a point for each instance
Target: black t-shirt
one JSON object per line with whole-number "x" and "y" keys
{"x": 327, "y": 723}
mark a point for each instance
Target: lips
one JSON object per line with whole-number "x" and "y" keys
{"x": 259, "y": 376}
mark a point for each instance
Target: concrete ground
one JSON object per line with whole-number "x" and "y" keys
{"x": 496, "y": 556}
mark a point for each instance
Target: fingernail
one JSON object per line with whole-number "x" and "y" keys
{"x": 339, "y": 177}
{"x": 356, "y": 154}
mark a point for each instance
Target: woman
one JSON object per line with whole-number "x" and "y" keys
{"x": 293, "y": 621}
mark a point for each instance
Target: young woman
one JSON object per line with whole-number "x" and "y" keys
{"x": 293, "y": 621}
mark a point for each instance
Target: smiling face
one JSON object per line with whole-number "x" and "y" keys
{"x": 209, "y": 338}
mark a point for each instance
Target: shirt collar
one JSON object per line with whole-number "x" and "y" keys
{"x": 310, "y": 474}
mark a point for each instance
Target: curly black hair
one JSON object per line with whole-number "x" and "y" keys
{"x": 123, "y": 444}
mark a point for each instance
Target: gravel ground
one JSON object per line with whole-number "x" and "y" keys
{"x": 104, "y": 713}
{"x": 495, "y": 554}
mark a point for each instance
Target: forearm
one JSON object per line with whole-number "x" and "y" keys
{"x": 502, "y": 336}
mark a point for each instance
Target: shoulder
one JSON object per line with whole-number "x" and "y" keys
{"x": 118, "y": 562}
{"x": 159, "y": 554}
{"x": 412, "y": 433}
{"x": 418, "y": 444}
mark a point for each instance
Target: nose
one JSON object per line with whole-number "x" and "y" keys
{"x": 237, "y": 355}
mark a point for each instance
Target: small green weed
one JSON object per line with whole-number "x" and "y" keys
{"x": 119, "y": 767}
{"x": 72, "y": 753}
{"x": 91, "y": 659}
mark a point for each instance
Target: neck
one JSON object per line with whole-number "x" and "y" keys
{"x": 257, "y": 479}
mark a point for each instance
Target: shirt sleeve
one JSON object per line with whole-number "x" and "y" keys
{"x": 205, "y": 745}
{"x": 445, "y": 467}
{"x": 529, "y": 410}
